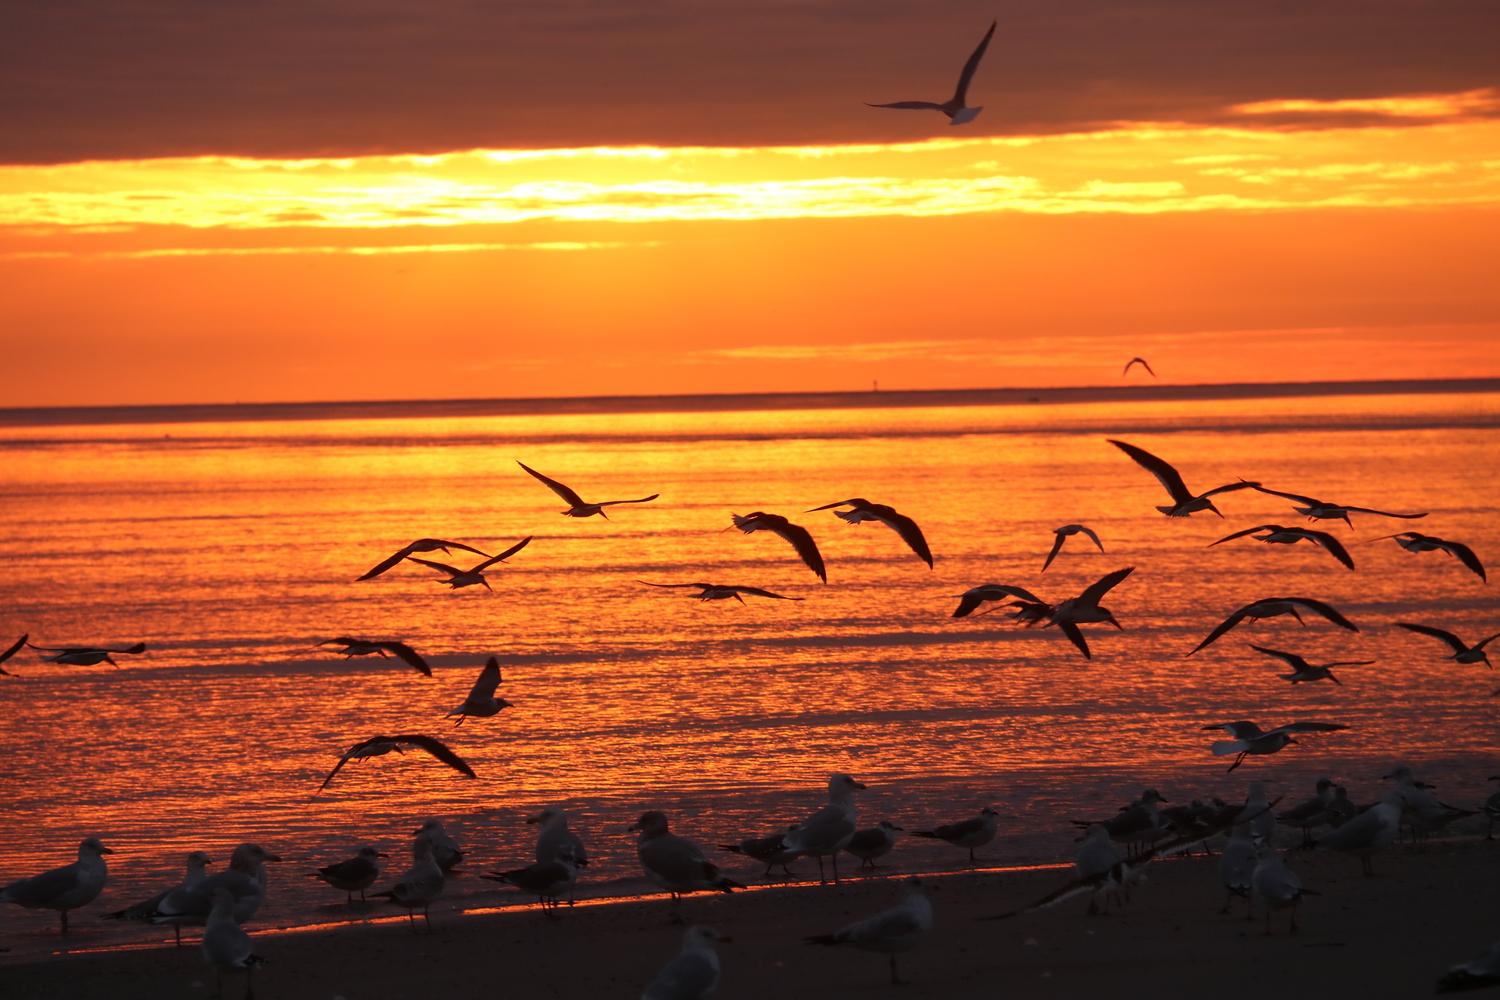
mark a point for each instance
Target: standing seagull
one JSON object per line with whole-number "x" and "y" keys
{"x": 12, "y": 651}
{"x": 1062, "y": 533}
{"x": 197, "y": 865}
{"x": 1276, "y": 885}
{"x": 1461, "y": 652}
{"x": 481, "y": 702}
{"x": 577, "y": 507}
{"x": 1365, "y": 834}
{"x": 954, "y": 107}
{"x": 419, "y": 885}
{"x": 445, "y": 850}
{"x": 1032, "y": 608}
{"x": 770, "y": 851}
{"x": 1137, "y": 361}
{"x": 830, "y": 829}
{"x": 675, "y": 863}
{"x": 1270, "y": 607}
{"x": 1085, "y": 610}
{"x": 694, "y": 973}
{"x": 1184, "y": 502}
{"x": 546, "y": 880}
{"x": 353, "y": 875}
{"x": 721, "y": 591}
{"x": 1250, "y": 740}
{"x": 901, "y": 928}
{"x": 468, "y": 577}
{"x": 1316, "y": 510}
{"x": 86, "y": 656}
{"x": 420, "y": 545}
{"x": 555, "y": 838}
{"x": 379, "y": 746}
{"x": 66, "y": 888}
{"x": 367, "y": 647}
{"x": 1476, "y": 974}
{"x": 226, "y": 946}
{"x": 878, "y": 841}
{"x": 798, "y": 536}
{"x": 1290, "y": 536}
{"x": 1411, "y": 541}
{"x": 970, "y": 833}
{"x": 1304, "y": 671}
{"x": 864, "y": 510}
{"x": 245, "y": 878}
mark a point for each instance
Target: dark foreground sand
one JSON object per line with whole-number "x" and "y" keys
{"x": 1388, "y": 936}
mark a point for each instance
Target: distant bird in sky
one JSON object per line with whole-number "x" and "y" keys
{"x": 901, "y": 928}
{"x": 694, "y": 973}
{"x": 1316, "y": 510}
{"x": 1251, "y": 740}
{"x": 1475, "y": 974}
{"x": 1411, "y": 541}
{"x": 66, "y": 888}
{"x": 1137, "y": 361}
{"x": 1462, "y": 653}
{"x": 12, "y": 651}
{"x": 468, "y": 577}
{"x": 1270, "y": 607}
{"x": 378, "y": 746}
{"x": 1184, "y": 501}
{"x": 1302, "y": 671}
{"x": 829, "y": 830}
{"x": 354, "y": 874}
{"x": 226, "y": 947}
{"x": 1085, "y": 610}
{"x": 797, "y": 536}
{"x": 864, "y": 510}
{"x": 1032, "y": 608}
{"x": 368, "y": 647}
{"x": 1290, "y": 536}
{"x": 722, "y": 591}
{"x": 86, "y": 656}
{"x": 197, "y": 871}
{"x": 1062, "y": 535}
{"x": 969, "y": 833}
{"x": 481, "y": 702}
{"x": 675, "y": 863}
{"x": 577, "y": 506}
{"x": 419, "y": 885}
{"x": 954, "y": 107}
{"x": 420, "y": 545}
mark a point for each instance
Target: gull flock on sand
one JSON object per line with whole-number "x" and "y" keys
{"x": 1250, "y": 865}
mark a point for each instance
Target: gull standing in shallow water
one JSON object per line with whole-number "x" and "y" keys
{"x": 420, "y": 545}
{"x": 1270, "y": 607}
{"x": 577, "y": 506}
{"x": 1462, "y": 653}
{"x": 546, "y": 880}
{"x": 1184, "y": 501}
{"x": 694, "y": 973}
{"x": 901, "y": 928}
{"x": 367, "y": 647}
{"x": 970, "y": 833}
{"x": 86, "y": 656}
{"x": 481, "y": 702}
{"x": 1302, "y": 671}
{"x": 1062, "y": 535}
{"x": 245, "y": 879}
{"x": 795, "y": 535}
{"x": 12, "y": 651}
{"x": 675, "y": 863}
{"x": 876, "y": 842}
{"x": 864, "y": 510}
{"x": 226, "y": 946}
{"x": 66, "y": 888}
{"x": 379, "y": 746}
{"x": 554, "y": 837}
{"x": 953, "y": 107}
{"x": 829, "y": 830}
{"x": 1250, "y": 740}
{"x": 197, "y": 871}
{"x": 353, "y": 875}
{"x": 458, "y": 578}
{"x": 1290, "y": 536}
{"x": 445, "y": 850}
{"x": 419, "y": 885}
{"x": 1322, "y": 510}
{"x": 1411, "y": 541}
{"x": 1085, "y": 609}
{"x": 769, "y": 851}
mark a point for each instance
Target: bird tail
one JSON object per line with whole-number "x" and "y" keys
{"x": 924, "y": 833}
{"x": 256, "y": 960}
{"x": 731, "y": 848}
{"x": 727, "y": 885}
{"x": 1223, "y": 748}
{"x": 822, "y": 939}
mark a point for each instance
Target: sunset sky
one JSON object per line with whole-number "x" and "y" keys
{"x": 322, "y": 200}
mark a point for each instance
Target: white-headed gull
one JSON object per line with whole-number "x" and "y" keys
{"x": 901, "y": 928}
{"x": 829, "y": 830}
{"x": 555, "y": 837}
{"x": 226, "y": 947}
{"x": 694, "y": 973}
{"x": 245, "y": 879}
{"x": 1277, "y": 886}
{"x": 419, "y": 885}
{"x": 197, "y": 871}
{"x": 66, "y": 888}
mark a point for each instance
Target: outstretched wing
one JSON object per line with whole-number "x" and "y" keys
{"x": 670, "y": 586}
{"x": 1239, "y": 730}
{"x": 12, "y": 651}
{"x": 408, "y": 656}
{"x": 1074, "y": 633}
{"x": 964, "y": 78}
{"x": 1308, "y": 727}
{"x": 336, "y": 768}
{"x": 1091, "y": 533}
{"x": 611, "y": 503}
{"x": 437, "y": 749}
{"x": 1241, "y": 485}
{"x": 502, "y": 556}
{"x": 909, "y": 106}
{"x": 489, "y": 680}
{"x": 385, "y": 564}
{"x": 444, "y": 567}
{"x": 910, "y": 533}
{"x": 569, "y": 497}
{"x": 1225, "y": 626}
{"x": 1164, "y": 473}
{"x": 1292, "y": 659}
{"x": 1325, "y": 610}
{"x": 802, "y": 540}
{"x": 1308, "y": 501}
{"x": 1382, "y": 513}
{"x": 1057, "y": 544}
{"x": 1137, "y": 361}
{"x": 1333, "y": 545}
{"x": 1454, "y": 642}
{"x": 766, "y": 593}
{"x": 1095, "y": 591}
{"x": 1463, "y": 552}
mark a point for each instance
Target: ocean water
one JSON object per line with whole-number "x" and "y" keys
{"x": 231, "y": 551}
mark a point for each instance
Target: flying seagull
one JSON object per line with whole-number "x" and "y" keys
{"x": 577, "y": 507}
{"x": 1062, "y": 534}
{"x": 953, "y": 107}
{"x": 12, "y": 651}
{"x": 1411, "y": 541}
{"x": 1290, "y": 536}
{"x": 420, "y": 545}
{"x": 1462, "y": 653}
{"x": 864, "y": 510}
{"x": 1250, "y": 739}
{"x": 1137, "y": 361}
{"x": 468, "y": 577}
{"x": 1323, "y": 510}
{"x": 86, "y": 656}
{"x": 368, "y": 647}
{"x": 1304, "y": 671}
{"x": 1085, "y": 610}
{"x": 481, "y": 702}
{"x": 378, "y": 746}
{"x": 722, "y": 591}
{"x": 1032, "y": 608}
{"x": 798, "y": 536}
{"x": 1270, "y": 607}
{"x": 1184, "y": 502}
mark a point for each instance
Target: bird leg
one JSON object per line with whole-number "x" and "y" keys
{"x": 895, "y": 978}
{"x": 821, "y": 878}
{"x": 177, "y": 934}
{"x": 835, "y": 867}
{"x": 427, "y": 917}
{"x": 64, "y": 923}
{"x": 1237, "y": 761}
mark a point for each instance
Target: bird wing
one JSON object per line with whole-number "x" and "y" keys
{"x": 611, "y": 503}
{"x": 386, "y": 564}
{"x": 1095, "y": 591}
{"x": 909, "y": 106}
{"x": 1247, "y": 531}
{"x": 1325, "y": 610}
{"x": 489, "y": 680}
{"x": 802, "y": 540}
{"x": 967, "y": 603}
{"x": 964, "y": 827}
{"x": 1092, "y": 534}
{"x": 765, "y": 593}
{"x": 700, "y": 586}
{"x": 1225, "y": 626}
{"x": 1292, "y": 659}
{"x": 1169, "y": 477}
{"x": 1382, "y": 513}
{"x": 960, "y": 95}
{"x": 438, "y": 750}
{"x": 1239, "y": 730}
{"x": 502, "y": 556}
{"x": 910, "y": 533}
{"x": 1138, "y": 361}
{"x": 1332, "y": 544}
{"x": 1241, "y": 485}
{"x": 1309, "y": 501}
{"x": 444, "y": 567}
{"x": 12, "y": 651}
{"x": 1074, "y": 888}
{"x": 336, "y": 768}
{"x": 408, "y": 656}
{"x": 1463, "y": 552}
{"x": 1057, "y": 544}
{"x": 565, "y": 492}
{"x": 1453, "y": 641}
{"x": 1074, "y": 633}
{"x": 690, "y": 974}
{"x": 1308, "y": 727}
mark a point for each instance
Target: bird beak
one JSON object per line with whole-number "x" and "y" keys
{"x": 105, "y": 850}
{"x": 379, "y": 855}
{"x": 273, "y": 857}
{"x": 416, "y": 831}
{"x": 858, "y": 786}
{"x": 725, "y": 940}
{"x": 1288, "y": 739}
{"x": 632, "y": 828}
{"x": 1387, "y": 777}
{"x": 537, "y": 819}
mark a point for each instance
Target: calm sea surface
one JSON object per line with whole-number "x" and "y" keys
{"x": 231, "y": 549}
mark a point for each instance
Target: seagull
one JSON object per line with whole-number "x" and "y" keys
{"x": 1476, "y": 974}
{"x": 554, "y": 837}
{"x": 1270, "y": 607}
{"x": 1249, "y": 740}
{"x": 379, "y": 746}
{"x": 367, "y": 647}
{"x": 445, "y": 850}
{"x": 1323, "y": 510}
{"x": 576, "y": 505}
{"x": 1184, "y": 502}
{"x": 546, "y": 880}
{"x": 1084, "y": 609}
{"x": 954, "y": 107}
{"x": 353, "y": 875}
{"x": 86, "y": 656}
{"x": 1370, "y": 831}
{"x": 830, "y": 829}
{"x": 197, "y": 864}
{"x": 1302, "y": 671}
{"x": 66, "y": 888}
{"x": 798, "y": 536}
{"x": 419, "y": 885}
{"x": 864, "y": 510}
{"x": 1062, "y": 533}
{"x": 1341, "y": 810}
{"x": 1134, "y": 824}
{"x": 12, "y": 651}
{"x": 1461, "y": 652}
{"x": 901, "y": 928}
{"x": 1290, "y": 536}
{"x": 226, "y": 946}
{"x": 1411, "y": 541}
{"x": 694, "y": 973}
{"x": 675, "y": 863}
{"x": 1276, "y": 885}
{"x": 245, "y": 878}
{"x": 468, "y": 577}
{"x": 1032, "y": 608}
{"x": 722, "y": 591}
{"x": 1237, "y": 868}
{"x": 1095, "y": 858}
{"x": 1137, "y": 361}
{"x": 1420, "y": 809}
{"x": 420, "y": 545}
{"x": 1310, "y": 814}
{"x": 970, "y": 833}
{"x": 876, "y": 842}
{"x": 481, "y": 702}
{"x": 770, "y": 851}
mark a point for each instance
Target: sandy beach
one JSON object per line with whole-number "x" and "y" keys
{"x": 1392, "y": 935}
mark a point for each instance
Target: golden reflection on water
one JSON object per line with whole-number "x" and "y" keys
{"x": 231, "y": 549}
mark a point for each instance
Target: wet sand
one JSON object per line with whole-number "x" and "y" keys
{"x": 1388, "y": 936}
